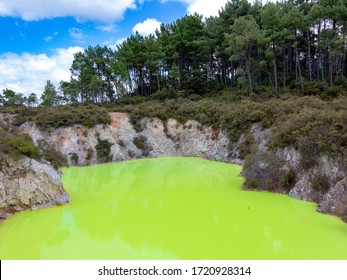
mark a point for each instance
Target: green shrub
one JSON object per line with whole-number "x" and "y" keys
{"x": 314, "y": 88}
{"x": 264, "y": 171}
{"x": 288, "y": 180}
{"x": 103, "y": 150}
{"x": 320, "y": 182}
{"x": 314, "y": 132}
{"x": 194, "y": 97}
{"x": 56, "y": 158}
{"x": 131, "y": 100}
{"x": 54, "y": 117}
{"x": 90, "y": 153}
{"x": 17, "y": 145}
{"x": 246, "y": 145}
{"x": 139, "y": 143}
{"x": 164, "y": 94}
{"x": 341, "y": 80}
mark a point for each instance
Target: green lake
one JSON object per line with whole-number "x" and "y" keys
{"x": 171, "y": 208}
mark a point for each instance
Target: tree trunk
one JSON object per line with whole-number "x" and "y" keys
{"x": 320, "y": 60}
{"x": 158, "y": 80}
{"x": 275, "y": 67}
{"x": 299, "y": 69}
{"x": 330, "y": 66}
{"x": 284, "y": 66}
{"x": 224, "y": 74}
{"x": 249, "y": 75}
{"x": 309, "y": 56}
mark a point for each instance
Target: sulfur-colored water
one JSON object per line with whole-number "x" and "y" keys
{"x": 171, "y": 208}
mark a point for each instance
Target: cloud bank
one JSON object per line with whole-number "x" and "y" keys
{"x": 147, "y": 27}
{"x": 27, "y": 73}
{"x": 203, "y": 7}
{"x": 82, "y": 10}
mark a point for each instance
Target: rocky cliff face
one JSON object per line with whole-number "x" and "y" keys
{"x": 119, "y": 140}
{"x": 280, "y": 170}
{"x": 28, "y": 184}
{"x": 275, "y": 170}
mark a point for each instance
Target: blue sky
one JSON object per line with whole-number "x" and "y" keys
{"x": 39, "y": 37}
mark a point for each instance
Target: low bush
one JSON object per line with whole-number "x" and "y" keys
{"x": 313, "y": 132}
{"x": 264, "y": 171}
{"x": 50, "y": 154}
{"x": 54, "y": 157}
{"x": 320, "y": 182}
{"x": 54, "y": 117}
{"x": 164, "y": 94}
{"x": 131, "y": 100}
{"x": 140, "y": 143}
{"x": 103, "y": 150}
{"x": 16, "y": 145}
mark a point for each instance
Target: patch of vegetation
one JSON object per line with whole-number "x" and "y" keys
{"x": 56, "y": 158}
{"x": 131, "y": 100}
{"x": 54, "y": 117}
{"x": 103, "y": 150}
{"x": 74, "y": 159}
{"x": 264, "y": 171}
{"x": 164, "y": 94}
{"x": 140, "y": 143}
{"x": 320, "y": 182}
{"x": 50, "y": 154}
{"x": 246, "y": 145}
{"x": 297, "y": 121}
{"x": 16, "y": 145}
{"x": 90, "y": 153}
{"x": 314, "y": 132}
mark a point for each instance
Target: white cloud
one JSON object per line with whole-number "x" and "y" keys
{"x": 107, "y": 28}
{"x": 77, "y": 35}
{"x": 97, "y": 10}
{"x": 50, "y": 38}
{"x": 114, "y": 43}
{"x": 27, "y": 73}
{"x": 203, "y": 7}
{"x": 147, "y": 27}
{"x": 121, "y": 40}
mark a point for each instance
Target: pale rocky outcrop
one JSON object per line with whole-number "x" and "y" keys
{"x": 335, "y": 200}
{"x": 79, "y": 143}
{"x": 28, "y": 184}
{"x": 6, "y": 118}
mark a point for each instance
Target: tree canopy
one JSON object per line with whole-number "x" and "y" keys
{"x": 248, "y": 46}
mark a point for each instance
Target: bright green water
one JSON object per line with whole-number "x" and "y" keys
{"x": 171, "y": 208}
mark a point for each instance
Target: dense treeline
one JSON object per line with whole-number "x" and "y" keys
{"x": 301, "y": 44}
